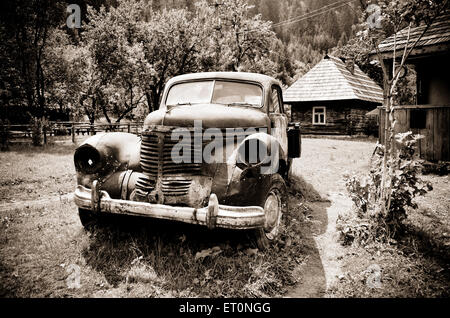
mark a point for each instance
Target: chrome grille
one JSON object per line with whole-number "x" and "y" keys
{"x": 144, "y": 185}
{"x": 156, "y": 162}
{"x": 175, "y": 187}
{"x": 170, "y": 168}
{"x": 152, "y": 156}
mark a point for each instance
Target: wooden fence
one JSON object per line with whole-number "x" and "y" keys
{"x": 73, "y": 129}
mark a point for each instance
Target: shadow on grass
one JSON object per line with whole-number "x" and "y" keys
{"x": 312, "y": 279}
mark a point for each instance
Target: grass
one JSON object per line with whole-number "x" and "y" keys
{"x": 125, "y": 257}
{"x": 325, "y": 161}
{"x": 431, "y": 222}
{"x": 401, "y": 273}
{"x": 29, "y": 173}
{"x": 169, "y": 251}
{"x": 416, "y": 264}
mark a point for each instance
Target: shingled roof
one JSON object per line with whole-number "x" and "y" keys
{"x": 331, "y": 80}
{"x": 438, "y": 32}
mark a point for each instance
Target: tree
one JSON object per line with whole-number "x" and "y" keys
{"x": 25, "y": 28}
{"x": 270, "y": 10}
{"x": 342, "y": 40}
{"x": 243, "y": 41}
{"x": 133, "y": 58}
{"x": 173, "y": 43}
{"x": 56, "y": 66}
{"x": 116, "y": 60}
{"x": 127, "y": 50}
{"x": 397, "y": 14}
{"x": 85, "y": 82}
{"x": 394, "y": 165}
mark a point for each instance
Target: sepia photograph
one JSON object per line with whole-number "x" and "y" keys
{"x": 229, "y": 156}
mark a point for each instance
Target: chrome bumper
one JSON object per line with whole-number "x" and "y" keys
{"x": 214, "y": 215}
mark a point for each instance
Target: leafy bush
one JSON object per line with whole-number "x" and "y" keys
{"x": 370, "y": 222}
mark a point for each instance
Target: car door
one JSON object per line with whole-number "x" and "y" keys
{"x": 278, "y": 118}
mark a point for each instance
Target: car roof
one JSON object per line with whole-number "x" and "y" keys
{"x": 243, "y": 76}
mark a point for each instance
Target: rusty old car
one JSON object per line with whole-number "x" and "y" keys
{"x": 216, "y": 153}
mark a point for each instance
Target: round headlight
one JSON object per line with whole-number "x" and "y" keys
{"x": 87, "y": 159}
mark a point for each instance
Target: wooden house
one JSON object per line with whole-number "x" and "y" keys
{"x": 430, "y": 116}
{"x": 333, "y": 98}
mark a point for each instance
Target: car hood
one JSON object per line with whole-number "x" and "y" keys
{"x": 211, "y": 116}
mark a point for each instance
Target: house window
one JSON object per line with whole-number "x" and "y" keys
{"x": 418, "y": 119}
{"x": 319, "y": 115}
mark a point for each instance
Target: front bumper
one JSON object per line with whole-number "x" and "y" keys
{"x": 214, "y": 215}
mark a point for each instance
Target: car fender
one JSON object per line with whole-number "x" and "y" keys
{"x": 117, "y": 152}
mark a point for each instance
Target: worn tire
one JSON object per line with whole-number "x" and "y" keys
{"x": 88, "y": 218}
{"x": 274, "y": 202}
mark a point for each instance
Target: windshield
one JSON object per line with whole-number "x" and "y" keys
{"x": 216, "y": 92}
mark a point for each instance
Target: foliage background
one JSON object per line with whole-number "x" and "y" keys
{"x": 115, "y": 66}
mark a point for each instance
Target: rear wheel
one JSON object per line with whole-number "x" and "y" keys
{"x": 273, "y": 203}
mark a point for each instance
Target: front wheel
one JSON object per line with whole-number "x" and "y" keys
{"x": 273, "y": 203}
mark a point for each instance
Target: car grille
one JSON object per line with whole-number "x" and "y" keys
{"x": 156, "y": 161}
{"x": 175, "y": 187}
{"x": 160, "y": 172}
{"x": 169, "y": 187}
{"x": 144, "y": 185}
{"x": 156, "y": 153}
{"x": 150, "y": 155}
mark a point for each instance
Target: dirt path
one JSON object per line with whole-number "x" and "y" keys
{"x": 323, "y": 265}
{"x": 321, "y": 172}
{"x": 330, "y": 250}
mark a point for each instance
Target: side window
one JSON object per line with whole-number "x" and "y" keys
{"x": 319, "y": 115}
{"x": 275, "y": 101}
